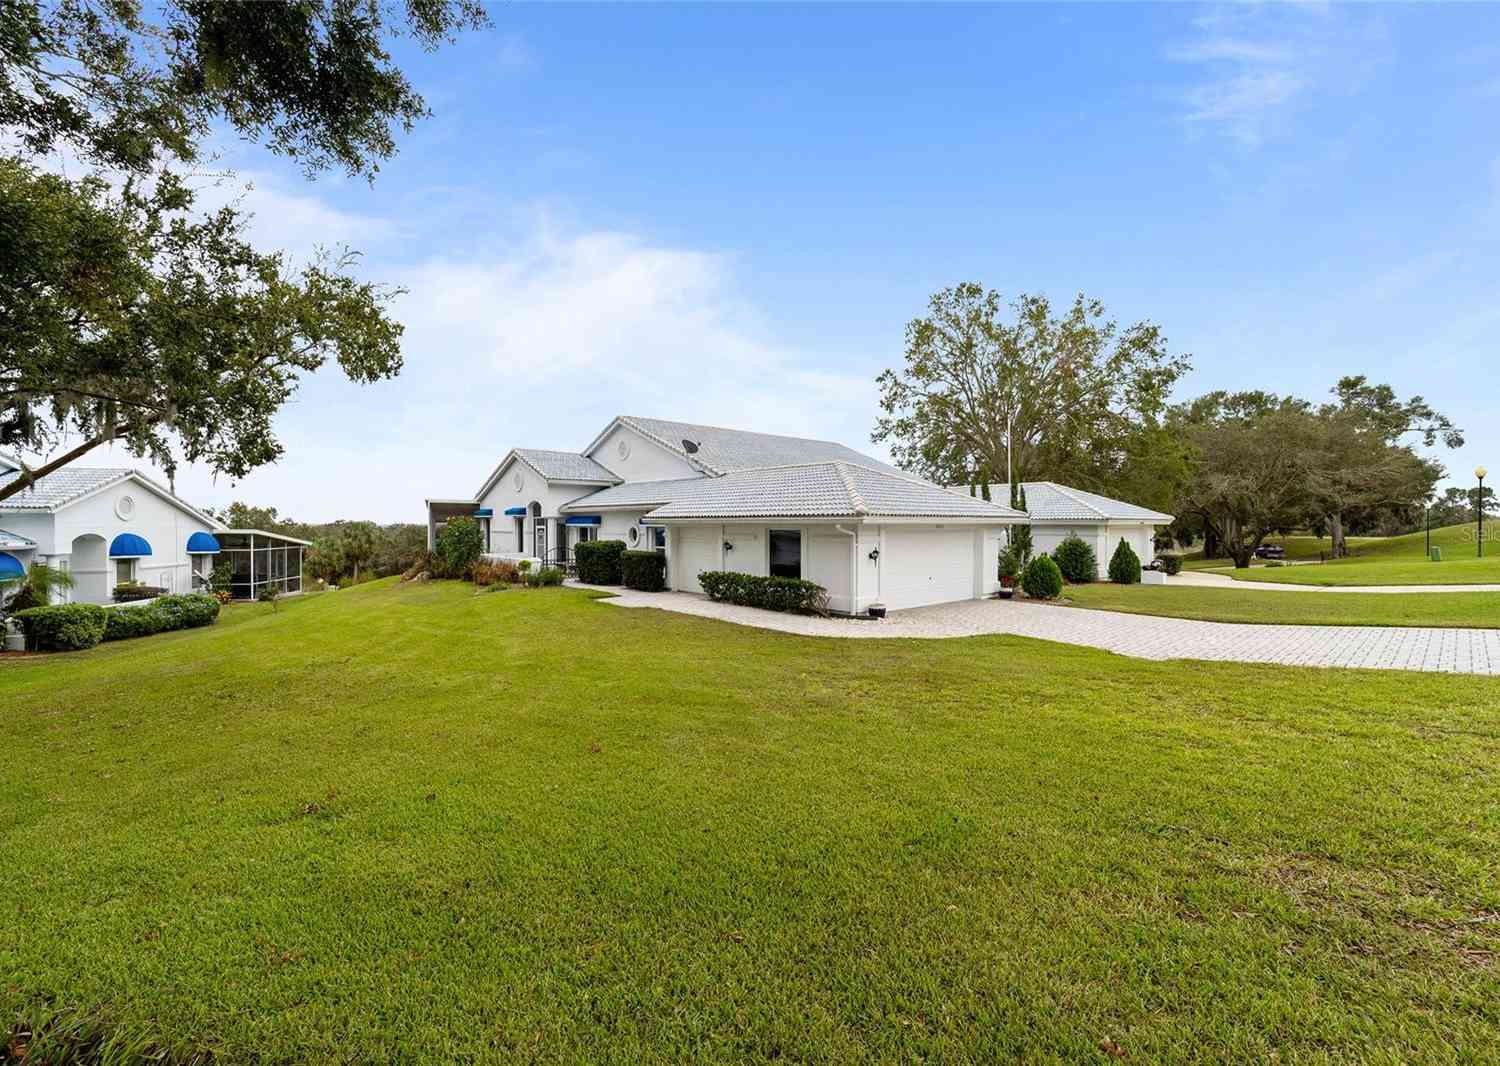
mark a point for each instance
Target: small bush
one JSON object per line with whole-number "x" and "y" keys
{"x": 767, "y": 593}
{"x": 269, "y": 594}
{"x": 1020, "y": 543}
{"x": 546, "y": 577}
{"x": 63, "y": 627}
{"x": 459, "y": 546}
{"x": 645, "y": 571}
{"x": 1076, "y": 560}
{"x": 599, "y": 562}
{"x": 223, "y": 596}
{"x": 129, "y": 592}
{"x": 1125, "y": 565}
{"x": 221, "y": 577}
{"x": 1042, "y": 580}
{"x": 485, "y": 573}
{"x": 1010, "y": 566}
{"x": 1171, "y": 564}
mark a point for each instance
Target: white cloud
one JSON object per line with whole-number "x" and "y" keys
{"x": 538, "y": 342}
{"x": 1258, "y": 64}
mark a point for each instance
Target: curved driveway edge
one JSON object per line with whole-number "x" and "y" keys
{"x": 1198, "y": 579}
{"x": 1456, "y": 651}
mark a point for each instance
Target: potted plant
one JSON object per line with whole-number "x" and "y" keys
{"x": 1009, "y": 567}
{"x": 876, "y": 610}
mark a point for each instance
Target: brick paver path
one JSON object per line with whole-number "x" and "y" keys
{"x": 1463, "y": 651}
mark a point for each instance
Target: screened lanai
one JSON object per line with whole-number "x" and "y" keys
{"x": 257, "y": 559}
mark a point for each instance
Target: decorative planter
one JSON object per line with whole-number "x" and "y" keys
{"x": 877, "y": 610}
{"x": 1007, "y": 593}
{"x": 15, "y": 640}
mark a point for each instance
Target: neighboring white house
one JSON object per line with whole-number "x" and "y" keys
{"x": 1058, "y": 510}
{"x": 727, "y": 499}
{"x": 113, "y": 525}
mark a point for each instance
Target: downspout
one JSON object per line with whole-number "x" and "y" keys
{"x": 853, "y": 534}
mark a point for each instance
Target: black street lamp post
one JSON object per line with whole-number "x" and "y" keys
{"x": 1479, "y": 472}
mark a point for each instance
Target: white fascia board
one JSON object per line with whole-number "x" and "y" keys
{"x": 145, "y": 483}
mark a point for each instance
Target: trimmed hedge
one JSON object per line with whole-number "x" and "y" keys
{"x": 546, "y": 577}
{"x": 1125, "y": 565}
{"x": 1042, "y": 580}
{"x": 166, "y": 614}
{"x": 63, "y": 627}
{"x": 129, "y": 593}
{"x": 768, "y": 593}
{"x": 644, "y": 571}
{"x": 1171, "y": 565}
{"x": 1076, "y": 560}
{"x": 599, "y": 561}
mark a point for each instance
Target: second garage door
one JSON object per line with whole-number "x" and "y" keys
{"x": 697, "y": 550}
{"x": 923, "y": 566}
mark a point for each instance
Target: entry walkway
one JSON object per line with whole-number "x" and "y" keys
{"x": 1462, "y": 651}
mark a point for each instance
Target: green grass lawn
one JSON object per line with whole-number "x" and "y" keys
{"x": 1471, "y": 610}
{"x": 415, "y": 824}
{"x": 1375, "y": 561}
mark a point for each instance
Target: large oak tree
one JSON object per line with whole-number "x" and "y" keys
{"x": 126, "y": 315}
{"x": 1072, "y": 396}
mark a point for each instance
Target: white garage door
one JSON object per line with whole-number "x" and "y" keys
{"x": 697, "y": 550}
{"x": 923, "y": 566}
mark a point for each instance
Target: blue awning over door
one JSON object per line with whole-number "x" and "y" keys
{"x": 10, "y": 566}
{"x": 582, "y": 520}
{"x": 518, "y": 512}
{"x": 129, "y": 546}
{"x": 201, "y": 543}
{"x": 484, "y": 512}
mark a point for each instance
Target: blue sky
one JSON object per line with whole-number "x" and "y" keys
{"x": 728, "y": 214}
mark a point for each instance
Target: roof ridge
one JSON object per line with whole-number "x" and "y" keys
{"x": 854, "y": 497}
{"x": 633, "y": 421}
{"x": 734, "y": 429}
{"x": 1072, "y": 494}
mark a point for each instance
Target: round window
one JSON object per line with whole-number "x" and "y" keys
{"x": 125, "y": 508}
{"x": 634, "y": 535}
{"x": 623, "y": 448}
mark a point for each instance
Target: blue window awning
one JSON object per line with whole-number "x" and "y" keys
{"x": 484, "y": 512}
{"x": 516, "y": 511}
{"x": 201, "y": 543}
{"x": 129, "y": 546}
{"x": 582, "y": 520}
{"x": 10, "y": 566}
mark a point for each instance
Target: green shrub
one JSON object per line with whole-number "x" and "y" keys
{"x": 1020, "y": 543}
{"x": 1042, "y": 580}
{"x": 599, "y": 562}
{"x": 459, "y": 547}
{"x": 1076, "y": 560}
{"x": 1010, "y": 566}
{"x": 130, "y": 591}
{"x": 1171, "y": 564}
{"x": 645, "y": 571}
{"x": 167, "y": 613}
{"x": 219, "y": 580}
{"x": 63, "y": 627}
{"x": 767, "y": 593}
{"x": 1125, "y": 565}
{"x": 546, "y": 577}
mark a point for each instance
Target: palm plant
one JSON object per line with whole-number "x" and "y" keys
{"x": 39, "y": 585}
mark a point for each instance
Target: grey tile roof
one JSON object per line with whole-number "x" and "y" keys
{"x": 723, "y": 450}
{"x": 565, "y": 466}
{"x": 822, "y": 490}
{"x": 643, "y": 494}
{"x": 57, "y": 488}
{"x": 1047, "y": 501}
{"x": 15, "y": 540}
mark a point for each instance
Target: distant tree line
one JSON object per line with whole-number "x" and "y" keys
{"x": 1073, "y": 397}
{"x": 341, "y": 551}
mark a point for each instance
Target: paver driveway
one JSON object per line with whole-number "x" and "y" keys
{"x": 1462, "y": 651}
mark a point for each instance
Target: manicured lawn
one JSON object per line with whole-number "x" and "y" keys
{"x": 415, "y": 824}
{"x": 1381, "y": 571}
{"x": 1480, "y": 610}
{"x": 1376, "y": 561}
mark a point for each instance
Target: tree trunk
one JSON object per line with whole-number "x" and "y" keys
{"x": 1210, "y": 543}
{"x": 1336, "y": 535}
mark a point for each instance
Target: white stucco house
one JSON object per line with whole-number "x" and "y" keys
{"x": 727, "y": 499}
{"x": 111, "y": 525}
{"x": 1058, "y": 510}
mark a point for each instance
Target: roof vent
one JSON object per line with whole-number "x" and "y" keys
{"x": 691, "y": 447}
